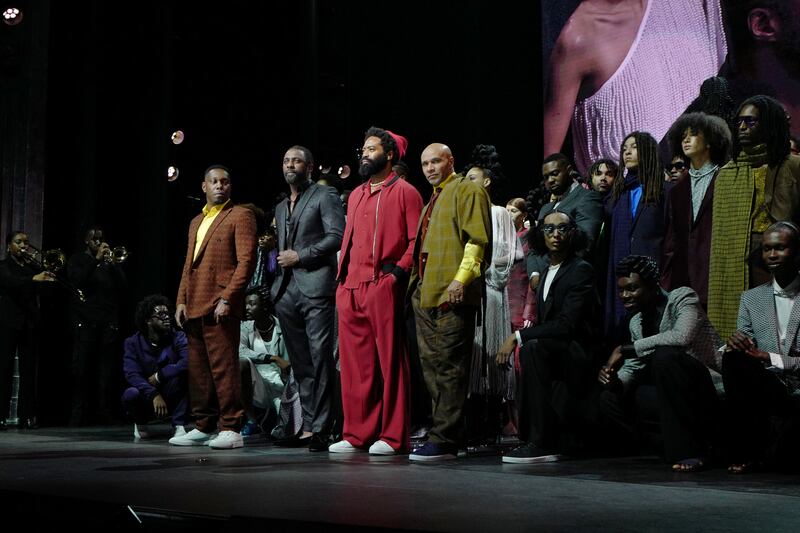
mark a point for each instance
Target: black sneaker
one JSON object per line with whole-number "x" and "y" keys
{"x": 318, "y": 443}
{"x": 529, "y": 454}
{"x": 434, "y": 451}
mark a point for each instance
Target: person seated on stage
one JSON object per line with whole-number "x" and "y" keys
{"x": 672, "y": 346}
{"x": 761, "y": 363}
{"x": 263, "y": 359}
{"x": 155, "y": 362}
{"x": 557, "y": 364}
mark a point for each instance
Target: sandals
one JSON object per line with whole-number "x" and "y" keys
{"x": 692, "y": 464}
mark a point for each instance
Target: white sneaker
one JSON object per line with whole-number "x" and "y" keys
{"x": 194, "y": 438}
{"x": 343, "y": 446}
{"x": 140, "y": 432}
{"x": 209, "y": 441}
{"x": 227, "y": 440}
{"x": 180, "y": 431}
{"x": 380, "y": 447}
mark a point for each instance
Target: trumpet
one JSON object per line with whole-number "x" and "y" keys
{"x": 52, "y": 261}
{"x": 116, "y": 255}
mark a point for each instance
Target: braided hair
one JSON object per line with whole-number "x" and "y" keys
{"x": 774, "y": 126}
{"x": 644, "y": 265}
{"x": 650, "y": 171}
{"x": 486, "y": 158}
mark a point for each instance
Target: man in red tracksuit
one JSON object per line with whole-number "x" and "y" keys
{"x": 374, "y": 267}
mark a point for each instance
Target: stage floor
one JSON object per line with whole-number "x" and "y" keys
{"x": 92, "y": 475}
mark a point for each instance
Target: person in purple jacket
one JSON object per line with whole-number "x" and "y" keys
{"x": 155, "y": 361}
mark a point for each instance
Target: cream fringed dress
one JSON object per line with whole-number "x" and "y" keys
{"x": 485, "y": 376}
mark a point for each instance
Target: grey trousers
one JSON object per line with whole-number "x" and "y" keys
{"x": 307, "y": 325}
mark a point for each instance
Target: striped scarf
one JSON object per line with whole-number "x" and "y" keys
{"x": 729, "y": 272}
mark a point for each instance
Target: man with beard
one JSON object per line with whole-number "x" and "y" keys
{"x": 155, "y": 360}
{"x": 310, "y": 223}
{"x": 210, "y": 304}
{"x": 376, "y": 259}
{"x": 583, "y": 206}
{"x": 759, "y": 187}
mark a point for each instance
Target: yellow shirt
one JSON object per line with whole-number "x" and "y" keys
{"x": 210, "y": 214}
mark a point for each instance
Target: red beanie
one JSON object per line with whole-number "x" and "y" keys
{"x": 401, "y": 142}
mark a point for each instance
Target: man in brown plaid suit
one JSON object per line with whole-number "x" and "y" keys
{"x": 219, "y": 263}
{"x": 453, "y": 239}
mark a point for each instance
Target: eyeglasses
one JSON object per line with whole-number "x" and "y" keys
{"x": 678, "y": 165}
{"x": 161, "y": 315}
{"x": 549, "y": 229}
{"x": 750, "y": 122}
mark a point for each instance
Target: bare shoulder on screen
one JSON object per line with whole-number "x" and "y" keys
{"x": 596, "y": 39}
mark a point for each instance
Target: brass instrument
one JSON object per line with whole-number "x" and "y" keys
{"x": 116, "y": 255}
{"x": 52, "y": 261}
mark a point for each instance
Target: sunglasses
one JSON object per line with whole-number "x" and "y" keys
{"x": 750, "y": 122}
{"x": 549, "y": 229}
{"x": 680, "y": 165}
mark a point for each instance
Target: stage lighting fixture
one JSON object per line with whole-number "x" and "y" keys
{"x": 344, "y": 172}
{"x": 12, "y": 16}
{"x": 172, "y": 173}
{"x": 177, "y": 137}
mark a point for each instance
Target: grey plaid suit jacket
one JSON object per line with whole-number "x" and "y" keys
{"x": 685, "y": 325}
{"x": 758, "y": 320}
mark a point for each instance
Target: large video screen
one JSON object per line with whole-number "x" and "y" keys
{"x": 612, "y": 68}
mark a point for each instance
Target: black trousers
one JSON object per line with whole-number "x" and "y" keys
{"x": 23, "y": 343}
{"x": 762, "y": 414}
{"x": 96, "y": 372}
{"x": 557, "y": 378}
{"x": 686, "y": 404}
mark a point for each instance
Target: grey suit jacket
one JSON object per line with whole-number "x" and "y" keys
{"x": 314, "y": 230}
{"x": 684, "y": 324}
{"x": 758, "y": 320}
{"x": 585, "y": 207}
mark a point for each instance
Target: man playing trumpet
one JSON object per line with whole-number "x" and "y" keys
{"x": 95, "y": 322}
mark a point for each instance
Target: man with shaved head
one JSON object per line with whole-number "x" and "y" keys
{"x": 453, "y": 239}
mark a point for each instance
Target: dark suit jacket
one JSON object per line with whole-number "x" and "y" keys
{"x": 224, "y": 263}
{"x": 687, "y": 245}
{"x": 568, "y": 311}
{"x": 314, "y": 231}
{"x": 585, "y": 207}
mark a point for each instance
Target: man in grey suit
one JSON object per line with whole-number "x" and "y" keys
{"x": 584, "y": 206}
{"x": 310, "y": 225}
{"x": 761, "y": 365}
{"x": 673, "y": 345}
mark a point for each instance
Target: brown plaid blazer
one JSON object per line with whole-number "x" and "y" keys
{"x": 224, "y": 263}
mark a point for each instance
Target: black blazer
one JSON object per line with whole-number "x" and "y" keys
{"x": 314, "y": 231}
{"x": 571, "y": 302}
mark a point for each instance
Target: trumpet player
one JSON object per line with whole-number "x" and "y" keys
{"x": 95, "y": 323}
{"x": 19, "y": 325}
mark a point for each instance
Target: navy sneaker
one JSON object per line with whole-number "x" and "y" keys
{"x": 528, "y": 454}
{"x": 250, "y": 428}
{"x": 434, "y": 451}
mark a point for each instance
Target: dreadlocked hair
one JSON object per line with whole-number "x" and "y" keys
{"x": 644, "y": 265}
{"x": 649, "y": 170}
{"x": 774, "y": 126}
